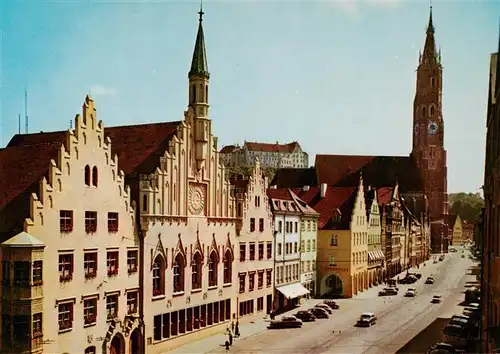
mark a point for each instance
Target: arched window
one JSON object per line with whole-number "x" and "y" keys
{"x": 179, "y": 264}
{"x": 228, "y": 267}
{"x": 196, "y": 271}
{"x": 424, "y": 111}
{"x": 87, "y": 175}
{"x": 193, "y": 93}
{"x": 95, "y": 176}
{"x": 144, "y": 203}
{"x": 159, "y": 276}
{"x": 431, "y": 111}
{"x": 206, "y": 93}
{"x": 212, "y": 269}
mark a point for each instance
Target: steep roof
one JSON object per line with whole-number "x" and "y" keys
{"x": 23, "y": 239}
{"x": 286, "y": 194}
{"x": 22, "y": 166}
{"x": 378, "y": 171}
{"x": 384, "y": 195}
{"x": 369, "y": 196}
{"x": 199, "y": 65}
{"x": 341, "y": 198}
{"x": 295, "y": 177}
{"x": 266, "y": 147}
{"x": 229, "y": 149}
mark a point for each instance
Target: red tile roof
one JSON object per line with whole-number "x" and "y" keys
{"x": 139, "y": 147}
{"x": 342, "y": 198}
{"x": 229, "y": 149}
{"x": 23, "y": 166}
{"x": 378, "y": 171}
{"x": 295, "y": 177}
{"x": 384, "y": 195}
{"x": 266, "y": 147}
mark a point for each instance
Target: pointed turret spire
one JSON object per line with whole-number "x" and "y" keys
{"x": 199, "y": 66}
{"x": 430, "y": 56}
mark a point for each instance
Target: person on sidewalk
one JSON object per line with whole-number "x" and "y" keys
{"x": 232, "y": 326}
{"x": 272, "y": 315}
{"x": 237, "y": 331}
{"x": 230, "y": 338}
{"x": 227, "y": 345}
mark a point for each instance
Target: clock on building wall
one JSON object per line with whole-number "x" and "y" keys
{"x": 433, "y": 128}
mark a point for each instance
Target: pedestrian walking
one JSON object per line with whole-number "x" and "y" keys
{"x": 237, "y": 331}
{"x": 272, "y": 315}
{"x": 230, "y": 339}
{"x": 226, "y": 345}
{"x": 232, "y": 326}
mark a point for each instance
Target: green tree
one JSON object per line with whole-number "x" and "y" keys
{"x": 467, "y": 205}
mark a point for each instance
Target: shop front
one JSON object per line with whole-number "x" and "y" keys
{"x": 288, "y": 296}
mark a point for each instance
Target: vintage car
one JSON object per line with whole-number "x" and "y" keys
{"x": 367, "y": 319}
{"x": 286, "y": 322}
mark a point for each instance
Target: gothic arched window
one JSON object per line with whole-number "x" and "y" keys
{"x": 228, "y": 267}
{"x": 196, "y": 271}
{"x": 193, "y": 93}
{"x": 431, "y": 111}
{"x": 95, "y": 176}
{"x": 424, "y": 111}
{"x": 159, "y": 276}
{"x": 212, "y": 269}
{"x": 87, "y": 175}
{"x": 179, "y": 264}
{"x": 206, "y": 93}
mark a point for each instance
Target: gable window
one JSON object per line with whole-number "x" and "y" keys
{"x": 94, "y": 176}
{"x": 433, "y": 82}
{"x": 112, "y": 263}
{"x": 314, "y": 225}
{"x": 261, "y": 224}
{"x": 242, "y": 277}
{"x": 112, "y": 222}
{"x": 308, "y": 245}
{"x": 269, "y": 247}
{"x": 158, "y": 276}
{"x": 243, "y": 252}
{"x": 90, "y": 265}
{"x": 212, "y": 269}
{"x": 280, "y": 226}
{"x": 132, "y": 256}
{"x": 87, "y": 175}
{"x": 314, "y": 245}
{"x": 196, "y": 271}
{"x": 431, "y": 111}
{"x": 296, "y": 227}
{"x": 334, "y": 240}
{"x": 22, "y": 273}
{"x": 90, "y": 222}
{"x": 252, "y": 251}
{"x": 65, "y": 316}
{"x": 65, "y": 267}
{"x": 112, "y": 306}
{"x": 261, "y": 251}
{"x": 37, "y": 272}
{"x": 302, "y": 226}
{"x": 90, "y": 311}
{"x": 252, "y": 224}
{"x": 228, "y": 267}
{"x": 179, "y": 265}
{"x": 65, "y": 221}
{"x": 132, "y": 301}
{"x": 308, "y": 226}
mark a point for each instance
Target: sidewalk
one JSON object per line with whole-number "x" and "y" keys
{"x": 249, "y": 326}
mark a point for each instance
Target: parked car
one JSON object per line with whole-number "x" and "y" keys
{"x": 441, "y": 258}
{"x": 456, "y": 335}
{"x": 367, "y": 319}
{"x": 324, "y": 307}
{"x": 429, "y": 280}
{"x": 305, "y": 316}
{"x": 318, "y": 312}
{"x": 411, "y": 292}
{"x": 388, "y": 292}
{"x": 442, "y": 348}
{"x": 286, "y": 322}
{"x": 436, "y": 299}
{"x": 332, "y": 304}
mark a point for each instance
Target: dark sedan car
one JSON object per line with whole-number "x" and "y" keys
{"x": 286, "y": 322}
{"x": 305, "y": 316}
{"x": 319, "y": 312}
{"x": 332, "y": 304}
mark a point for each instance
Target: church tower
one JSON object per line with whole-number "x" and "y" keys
{"x": 428, "y": 134}
{"x": 198, "y": 97}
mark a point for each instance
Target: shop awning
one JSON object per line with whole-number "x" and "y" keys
{"x": 376, "y": 255}
{"x": 292, "y": 291}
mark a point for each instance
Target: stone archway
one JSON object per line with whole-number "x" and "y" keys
{"x": 135, "y": 342}
{"x": 117, "y": 345}
{"x": 335, "y": 286}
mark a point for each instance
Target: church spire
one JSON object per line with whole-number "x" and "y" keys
{"x": 199, "y": 66}
{"x": 430, "y": 55}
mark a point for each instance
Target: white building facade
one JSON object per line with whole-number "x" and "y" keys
{"x": 287, "y": 215}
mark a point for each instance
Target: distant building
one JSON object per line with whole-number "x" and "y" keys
{"x": 376, "y": 256}
{"x": 455, "y": 229}
{"x": 276, "y": 155}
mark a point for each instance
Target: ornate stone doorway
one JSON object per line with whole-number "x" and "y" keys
{"x": 117, "y": 345}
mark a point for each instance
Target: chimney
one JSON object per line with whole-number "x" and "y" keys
{"x": 323, "y": 189}
{"x": 369, "y": 188}
{"x": 306, "y": 188}
{"x": 273, "y": 187}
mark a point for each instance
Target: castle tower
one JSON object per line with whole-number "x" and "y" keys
{"x": 428, "y": 134}
{"x": 198, "y": 96}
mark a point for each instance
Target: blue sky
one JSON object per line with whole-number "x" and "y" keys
{"x": 339, "y": 77}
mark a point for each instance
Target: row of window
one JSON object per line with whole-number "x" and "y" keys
{"x": 287, "y": 273}
{"x": 159, "y": 283}
{"x": 290, "y": 227}
{"x": 251, "y": 251}
{"x": 18, "y": 328}
{"x": 251, "y": 280}
{"x": 91, "y": 178}
{"x": 311, "y": 246}
{"x": 252, "y": 224}
{"x": 290, "y": 248}
{"x": 307, "y": 266}
{"x": 311, "y": 225}
{"x": 179, "y": 322}
{"x": 66, "y": 221}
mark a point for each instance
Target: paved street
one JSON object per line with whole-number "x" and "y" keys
{"x": 399, "y": 318}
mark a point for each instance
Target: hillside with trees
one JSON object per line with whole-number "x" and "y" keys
{"x": 467, "y": 205}
{"x": 246, "y": 171}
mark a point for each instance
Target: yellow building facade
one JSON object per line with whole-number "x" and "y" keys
{"x": 71, "y": 277}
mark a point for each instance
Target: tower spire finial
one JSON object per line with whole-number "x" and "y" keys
{"x": 201, "y": 13}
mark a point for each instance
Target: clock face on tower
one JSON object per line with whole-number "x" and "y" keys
{"x": 432, "y": 128}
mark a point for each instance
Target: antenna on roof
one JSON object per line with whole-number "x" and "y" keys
{"x": 19, "y": 124}
{"x": 26, "y": 110}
